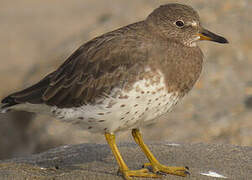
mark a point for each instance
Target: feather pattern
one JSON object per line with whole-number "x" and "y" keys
{"x": 117, "y": 59}
{"x": 92, "y": 70}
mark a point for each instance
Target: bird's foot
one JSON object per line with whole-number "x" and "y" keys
{"x": 127, "y": 174}
{"x": 159, "y": 168}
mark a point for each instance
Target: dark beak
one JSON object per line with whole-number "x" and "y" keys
{"x": 207, "y": 35}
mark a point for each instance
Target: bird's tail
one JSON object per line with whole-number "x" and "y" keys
{"x": 3, "y": 108}
{"x": 31, "y": 95}
{"x": 7, "y": 103}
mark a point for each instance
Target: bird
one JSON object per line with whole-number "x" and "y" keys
{"x": 123, "y": 80}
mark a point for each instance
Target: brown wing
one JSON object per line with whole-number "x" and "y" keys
{"x": 91, "y": 71}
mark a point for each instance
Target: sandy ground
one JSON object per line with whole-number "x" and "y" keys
{"x": 96, "y": 162}
{"x": 37, "y": 36}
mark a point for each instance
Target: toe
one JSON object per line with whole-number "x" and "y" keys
{"x": 145, "y": 165}
{"x": 139, "y": 173}
{"x": 179, "y": 171}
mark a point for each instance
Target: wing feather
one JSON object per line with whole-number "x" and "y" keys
{"x": 91, "y": 71}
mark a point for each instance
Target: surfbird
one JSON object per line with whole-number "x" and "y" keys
{"x": 124, "y": 79}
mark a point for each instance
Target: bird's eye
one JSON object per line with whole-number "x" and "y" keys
{"x": 179, "y": 23}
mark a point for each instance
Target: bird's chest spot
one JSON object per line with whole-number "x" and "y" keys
{"x": 147, "y": 100}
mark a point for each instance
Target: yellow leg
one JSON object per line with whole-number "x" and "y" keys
{"x": 156, "y": 166}
{"x": 123, "y": 168}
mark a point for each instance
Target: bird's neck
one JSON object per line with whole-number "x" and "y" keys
{"x": 181, "y": 69}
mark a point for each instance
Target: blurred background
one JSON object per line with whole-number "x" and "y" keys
{"x": 37, "y": 36}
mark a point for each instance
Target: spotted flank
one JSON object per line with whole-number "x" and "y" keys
{"x": 123, "y": 109}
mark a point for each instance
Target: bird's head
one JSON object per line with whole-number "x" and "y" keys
{"x": 181, "y": 23}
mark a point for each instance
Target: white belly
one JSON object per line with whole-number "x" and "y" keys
{"x": 129, "y": 109}
{"x": 141, "y": 105}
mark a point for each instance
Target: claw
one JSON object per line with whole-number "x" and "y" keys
{"x": 188, "y": 173}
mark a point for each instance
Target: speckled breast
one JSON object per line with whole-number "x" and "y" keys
{"x": 126, "y": 108}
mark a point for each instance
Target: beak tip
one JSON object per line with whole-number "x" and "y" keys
{"x": 220, "y": 39}
{"x": 224, "y": 41}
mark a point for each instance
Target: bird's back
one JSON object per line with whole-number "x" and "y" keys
{"x": 91, "y": 71}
